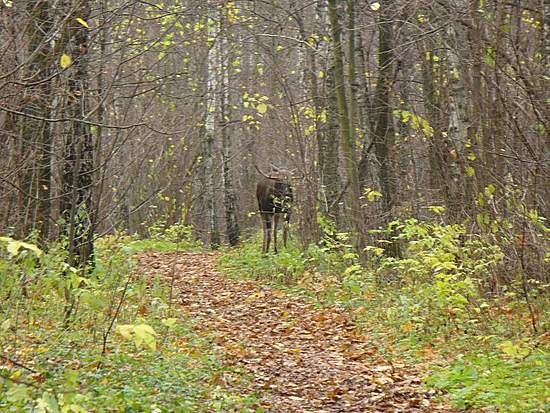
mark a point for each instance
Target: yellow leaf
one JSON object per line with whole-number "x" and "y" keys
{"x": 65, "y": 61}
{"x": 83, "y": 22}
{"x": 407, "y": 327}
{"x": 262, "y": 108}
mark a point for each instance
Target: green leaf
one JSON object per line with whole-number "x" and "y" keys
{"x": 47, "y": 403}
{"x": 349, "y": 256}
{"x": 355, "y": 268}
{"x": 6, "y": 324}
{"x": 426, "y": 127}
{"x": 509, "y": 348}
{"x": 65, "y": 61}
{"x": 437, "y": 209}
{"x": 490, "y": 190}
{"x": 490, "y": 56}
{"x": 18, "y": 393}
{"x": 169, "y": 322}
{"x": 95, "y": 302}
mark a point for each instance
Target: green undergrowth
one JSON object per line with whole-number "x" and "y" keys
{"x": 166, "y": 238}
{"x": 428, "y": 307}
{"x": 125, "y": 347}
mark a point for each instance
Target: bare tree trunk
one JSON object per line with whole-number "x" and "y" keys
{"x": 384, "y": 131}
{"x": 327, "y": 134}
{"x": 459, "y": 121}
{"x": 351, "y": 67}
{"x": 78, "y": 146}
{"x": 478, "y": 133}
{"x": 328, "y": 153}
{"x": 231, "y": 222}
{"x": 78, "y": 152}
{"x": 437, "y": 149}
{"x": 346, "y": 132}
{"x": 210, "y": 126}
{"x": 41, "y": 105}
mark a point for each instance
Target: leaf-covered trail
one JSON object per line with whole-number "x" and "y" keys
{"x": 302, "y": 359}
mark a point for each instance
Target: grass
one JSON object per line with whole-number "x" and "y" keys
{"x": 485, "y": 379}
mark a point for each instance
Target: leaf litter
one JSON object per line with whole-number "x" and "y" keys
{"x": 302, "y": 359}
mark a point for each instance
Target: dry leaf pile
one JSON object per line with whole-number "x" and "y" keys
{"x": 303, "y": 359}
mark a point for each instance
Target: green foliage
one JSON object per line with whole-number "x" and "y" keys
{"x": 517, "y": 384}
{"x": 441, "y": 269}
{"x": 164, "y": 237}
{"x": 417, "y": 123}
{"x": 124, "y": 349}
{"x": 248, "y": 261}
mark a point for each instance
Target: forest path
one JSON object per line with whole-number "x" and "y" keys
{"x": 303, "y": 359}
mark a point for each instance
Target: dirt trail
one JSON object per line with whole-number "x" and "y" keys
{"x": 303, "y": 359}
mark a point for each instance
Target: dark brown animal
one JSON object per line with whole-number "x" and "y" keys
{"x": 274, "y": 194}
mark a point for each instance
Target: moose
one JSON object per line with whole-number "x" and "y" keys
{"x": 274, "y": 194}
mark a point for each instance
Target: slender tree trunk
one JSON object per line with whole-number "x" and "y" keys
{"x": 230, "y": 201}
{"x": 40, "y": 105}
{"x": 346, "y": 132}
{"x": 328, "y": 153}
{"x": 210, "y": 127}
{"x": 436, "y": 144}
{"x": 478, "y": 134}
{"x": 78, "y": 153}
{"x": 459, "y": 122}
{"x": 327, "y": 134}
{"x": 78, "y": 146}
{"x": 351, "y": 68}
{"x": 384, "y": 131}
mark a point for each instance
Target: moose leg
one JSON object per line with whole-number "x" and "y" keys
{"x": 275, "y": 224}
{"x": 268, "y": 222}
{"x": 264, "y": 230}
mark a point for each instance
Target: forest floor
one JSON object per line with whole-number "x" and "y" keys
{"x": 300, "y": 358}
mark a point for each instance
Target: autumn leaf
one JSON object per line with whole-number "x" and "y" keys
{"x": 65, "y": 61}
{"x": 83, "y": 22}
{"x": 262, "y": 108}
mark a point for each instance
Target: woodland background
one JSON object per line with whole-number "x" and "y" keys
{"x": 417, "y": 133}
{"x": 120, "y": 115}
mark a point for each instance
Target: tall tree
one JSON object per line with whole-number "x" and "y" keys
{"x": 347, "y": 134}
{"x": 384, "y": 134}
{"x": 211, "y": 105}
{"x": 229, "y": 198}
{"x": 78, "y": 147}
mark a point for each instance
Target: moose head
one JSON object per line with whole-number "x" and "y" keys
{"x": 274, "y": 194}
